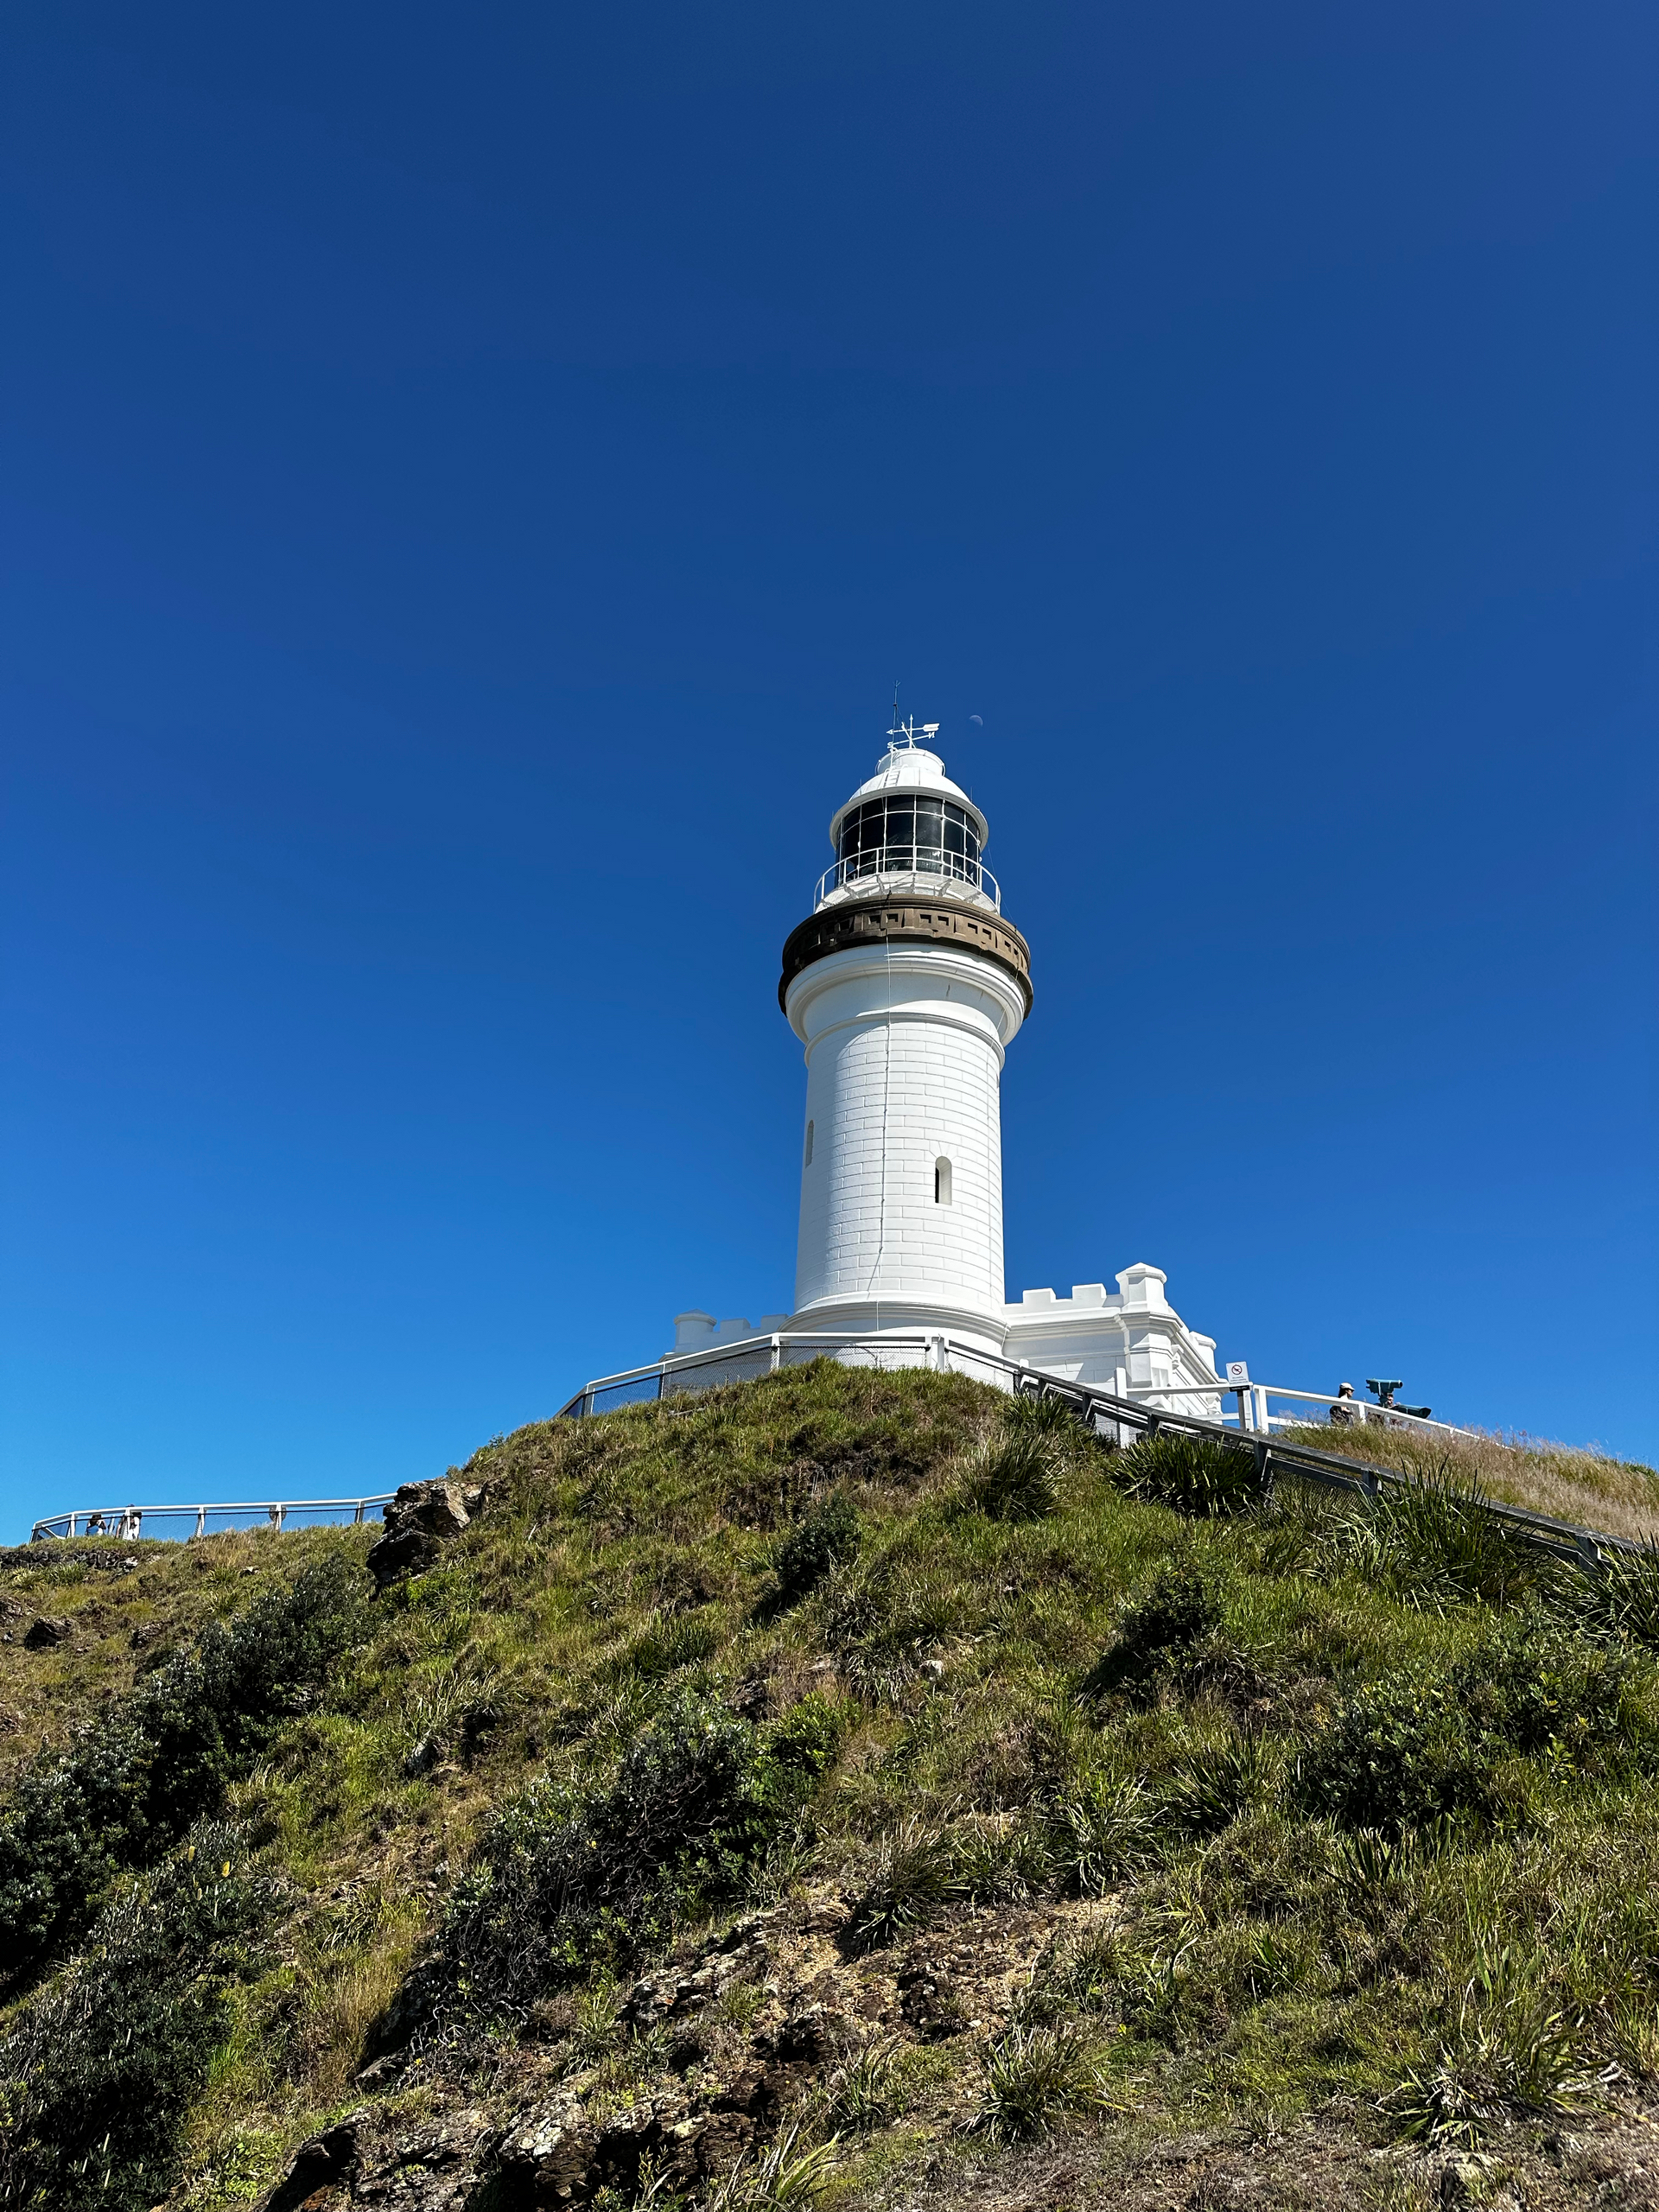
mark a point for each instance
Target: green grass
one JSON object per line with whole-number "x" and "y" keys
{"x": 1297, "y": 1807}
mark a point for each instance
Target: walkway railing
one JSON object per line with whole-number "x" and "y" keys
{"x": 1257, "y": 1402}
{"x": 1124, "y": 1420}
{"x": 1146, "y": 1412}
{"x": 130, "y": 1521}
{"x": 1258, "y": 1407}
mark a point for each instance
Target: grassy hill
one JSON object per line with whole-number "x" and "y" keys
{"x": 845, "y": 1789}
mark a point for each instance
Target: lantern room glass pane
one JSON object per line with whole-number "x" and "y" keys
{"x": 906, "y": 834}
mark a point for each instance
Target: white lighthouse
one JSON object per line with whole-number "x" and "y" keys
{"x": 907, "y": 984}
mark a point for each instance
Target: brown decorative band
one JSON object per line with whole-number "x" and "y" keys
{"x": 874, "y": 921}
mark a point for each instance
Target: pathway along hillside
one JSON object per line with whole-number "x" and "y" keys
{"x": 843, "y": 1784}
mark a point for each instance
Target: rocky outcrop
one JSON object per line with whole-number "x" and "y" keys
{"x": 420, "y": 1521}
{"x": 547, "y": 2155}
{"x": 47, "y": 1633}
{"x": 669, "y": 1995}
{"x": 317, "y": 2164}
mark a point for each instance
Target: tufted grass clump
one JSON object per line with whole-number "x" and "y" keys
{"x": 1619, "y": 1598}
{"x": 1436, "y": 1543}
{"x": 1014, "y": 1474}
{"x": 913, "y": 1875}
{"x": 1197, "y": 1475}
{"x": 1035, "y": 2079}
{"x": 866, "y": 2091}
{"x": 1509, "y": 2051}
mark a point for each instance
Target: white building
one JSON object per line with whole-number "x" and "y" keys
{"x": 906, "y": 985}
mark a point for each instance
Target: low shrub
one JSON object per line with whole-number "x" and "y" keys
{"x": 568, "y": 1879}
{"x": 1199, "y": 1475}
{"x": 1399, "y": 1754}
{"x": 1183, "y": 1606}
{"x": 1408, "y": 1749}
{"x": 1537, "y": 1687}
{"x": 98, "y": 2070}
{"x": 1035, "y": 2079}
{"x": 809, "y": 1736}
{"x": 826, "y": 1539}
{"x": 128, "y": 1789}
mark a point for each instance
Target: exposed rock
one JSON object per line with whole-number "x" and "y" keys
{"x": 423, "y": 1757}
{"x": 411, "y": 2008}
{"x": 379, "y": 2073}
{"x": 46, "y": 1633}
{"x": 318, "y": 2163}
{"x": 822, "y": 1917}
{"x": 672, "y": 1995}
{"x": 546, "y": 2156}
{"x": 811, "y": 2034}
{"x": 929, "y": 2002}
{"x": 419, "y": 1522}
{"x": 435, "y": 2170}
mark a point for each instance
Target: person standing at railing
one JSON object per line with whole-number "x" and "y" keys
{"x": 1346, "y": 1412}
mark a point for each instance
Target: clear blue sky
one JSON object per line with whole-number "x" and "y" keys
{"x": 470, "y": 479}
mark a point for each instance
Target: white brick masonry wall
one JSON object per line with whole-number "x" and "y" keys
{"x": 904, "y": 1056}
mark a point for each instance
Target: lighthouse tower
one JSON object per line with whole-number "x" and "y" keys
{"x": 906, "y": 985}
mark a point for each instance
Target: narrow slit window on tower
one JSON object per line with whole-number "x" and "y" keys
{"x": 807, "y": 1162}
{"x": 941, "y": 1182}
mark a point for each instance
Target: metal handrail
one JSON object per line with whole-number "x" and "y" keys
{"x": 1375, "y": 1416}
{"x": 127, "y": 1523}
{"x": 1102, "y": 1410}
{"x": 928, "y": 868}
{"x": 1329, "y": 1469}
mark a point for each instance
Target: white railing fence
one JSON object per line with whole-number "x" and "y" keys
{"x": 130, "y": 1521}
{"x": 1257, "y": 1409}
{"x": 1123, "y": 1419}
